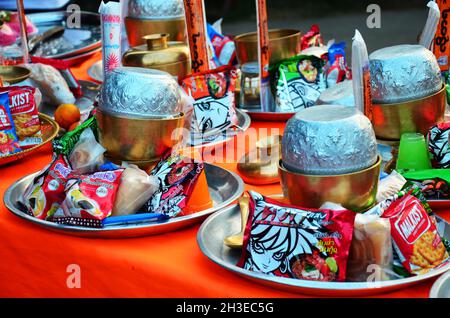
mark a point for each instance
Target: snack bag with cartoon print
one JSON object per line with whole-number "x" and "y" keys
{"x": 8, "y": 138}
{"x": 298, "y": 81}
{"x": 214, "y": 106}
{"x": 24, "y": 112}
{"x": 289, "y": 241}
{"x": 44, "y": 195}
{"x": 415, "y": 236}
{"x": 177, "y": 177}
{"x": 89, "y": 199}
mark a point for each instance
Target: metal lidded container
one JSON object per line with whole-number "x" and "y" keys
{"x": 140, "y": 93}
{"x": 402, "y": 73}
{"x": 155, "y": 16}
{"x": 328, "y": 140}
{"x": 158, "y": 53}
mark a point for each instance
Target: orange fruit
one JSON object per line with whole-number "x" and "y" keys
{"x": 66, "y": 115}
{"x": 73, "y": 126}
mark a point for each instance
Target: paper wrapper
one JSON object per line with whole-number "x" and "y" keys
{"x": 111, "y": 26}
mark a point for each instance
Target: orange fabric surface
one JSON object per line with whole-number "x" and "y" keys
{"x": 34, "y": 261}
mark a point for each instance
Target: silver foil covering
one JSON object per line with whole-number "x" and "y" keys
{"x": 140, "y": 92}
{"x": 403, "y": 73}
{"x": 155, "y": 9}
{"x": 339, "y": 94}
{"x": 328, "y": 140}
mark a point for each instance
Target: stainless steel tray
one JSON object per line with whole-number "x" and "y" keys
{"x": 441, "y": 288}
{"x": 74, "y": 41}
{"x": 228, "y": 221}
{"x": 224, "y": 187}
{"x": 198, "y": 141}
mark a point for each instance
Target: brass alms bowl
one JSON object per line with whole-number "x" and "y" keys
{"x": 355, "y": 191}
{"x": 132, "y": 139}
{"x": 14, "y": 74}
{"x": 137, "y": 28}
{"x": 283, "y": 43}
{"x": 390, "y": 121}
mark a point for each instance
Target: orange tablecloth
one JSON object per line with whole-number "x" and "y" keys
{"x": 34, "y": 261}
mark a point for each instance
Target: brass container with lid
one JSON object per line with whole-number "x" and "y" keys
{"x": 159, "y": 53}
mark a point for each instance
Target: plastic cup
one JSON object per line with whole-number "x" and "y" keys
{"x": 413, "y": 153}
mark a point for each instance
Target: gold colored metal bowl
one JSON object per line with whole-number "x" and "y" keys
{"x": 283, "y": 44}
{"x": 137, "y": 28}
{"x": 14, "y": 74}
{"x": 390, "y": 121}
{"x": 355, "y": 191}
{"x": 135, "y": 139}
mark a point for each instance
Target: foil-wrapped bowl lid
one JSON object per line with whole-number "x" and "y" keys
{"x": 155, "y": 9}
{"x": 339, "y": 94}
{"x": 403, "y": 73}
{"x": 328, "y": 140}
{"x": 140, "y": 92}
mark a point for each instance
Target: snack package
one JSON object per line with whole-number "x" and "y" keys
{"x": 288, "y": 241}
{"x": 312, "y": 38}
{"x": 177, "y": 178}
{"x": 88, "y": 199}
{"x": 9, "y": 142}
{"x": 415, "y": 236}
{"x": 214, "y": 106}
{"x": 44, "y": 195}
{"x": 224, "y": 47}
{"x": 25, "y": 114}
{"x": 390, "y": 185}
{"x": 299, "y": 81}
{"x": 66, "y": 143}
{"x": 87, "y": 154}
{"x": 437, "y": 139}
{"x": 337, "y": 70}
{"x": 370, "y": 256}
{"x": 136, "y": 187}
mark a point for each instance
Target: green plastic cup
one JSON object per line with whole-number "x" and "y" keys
{"x": 413, "y": 153}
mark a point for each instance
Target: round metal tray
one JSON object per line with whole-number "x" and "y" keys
{"x": 228, "y": 222}
{"x": 224, "y": 188}
{"x": 441, "y": 287}
{"x": 49, "y": 129}
{"x": 74, "y": 40}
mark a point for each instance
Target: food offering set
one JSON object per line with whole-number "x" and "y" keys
{"x": 363, "y": 161}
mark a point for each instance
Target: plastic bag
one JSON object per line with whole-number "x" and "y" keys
{"x": 390, "y": 185}
{"x": 87, "y": 153}
{"x": 136, "y": 187}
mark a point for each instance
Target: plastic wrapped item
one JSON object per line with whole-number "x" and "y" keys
{"x": 441, "y": 47}
{"x": 111, "y": 25}
{"x": 67, "y": 142}
{"x": 9, "y": 143}
{"x": 370, "y": 255}
{"x": 337, "y": 69}
{"x": 224, "y": 47}
{"x": 429, "y": 31}
{"x": 87, "y": 154}
{"x": 43, "y": 196}
{"x": 136, "y": 187}
{"x": 88, "y": 199}
{"x": 288, "y": 241}
{"x": 390, "y": 185}
{"x": 361, "y": 75}
{"x": 214, "y": 106}
{"x": 438, "y": 145}
{"x": 312, "y": 38}
{"x": 298, "y": 81}
{"x": 25, "y": 114}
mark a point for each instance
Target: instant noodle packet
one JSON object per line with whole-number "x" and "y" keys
{"x": 414, "y": 234}
{"x": 9, "y": 142}
{"x": 214, "y": 106}
{"x": 288, "y": 241}
{"x": 88, "y": 199}
{"x": 25, "y": 114}
{"x": 44, "y": 195}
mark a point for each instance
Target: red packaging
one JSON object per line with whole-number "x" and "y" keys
{"x": 45, "y": 194}
{"x": 312, "y": 38}
{"x": 441, "y": 46}
{"x": 289, "y": 241}
{"x": 25, "y": 115}
{"x": 8, "y": 139}
{"x": 415, "y": 236}
{"x": 89, "y": 197}
{"x": 214, "y": 106}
